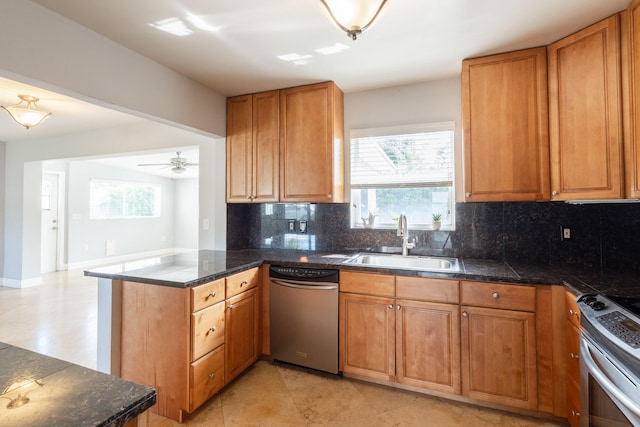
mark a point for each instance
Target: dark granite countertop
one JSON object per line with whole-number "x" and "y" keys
{"x": 197, "y": 267}
{"x": 62, "y": 394}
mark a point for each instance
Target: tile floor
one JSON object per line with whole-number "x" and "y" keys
{"x": 58, "y": 318}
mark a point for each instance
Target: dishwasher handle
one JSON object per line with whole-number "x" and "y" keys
{"x": 323, "y": 286}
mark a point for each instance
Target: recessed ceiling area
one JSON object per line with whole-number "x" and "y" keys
{"x": 236, "y": 46}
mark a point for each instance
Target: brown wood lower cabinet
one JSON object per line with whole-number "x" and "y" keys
{"x": 499, "y": 356}
{"x": 242, "y": 333}
{"x": 188, "y": 343}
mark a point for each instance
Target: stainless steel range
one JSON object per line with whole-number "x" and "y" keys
{"x": 609, "y": 361}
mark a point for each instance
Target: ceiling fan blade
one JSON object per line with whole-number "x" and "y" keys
{"x": 154, "y": 164}
{"x": 192, "y": 164}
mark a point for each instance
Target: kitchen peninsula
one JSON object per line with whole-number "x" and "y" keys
{"x": 212, "y": 307}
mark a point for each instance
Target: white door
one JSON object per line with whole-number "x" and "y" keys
{"x": 50, "y": 226}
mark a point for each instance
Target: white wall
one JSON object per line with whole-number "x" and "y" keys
{"x": 47, "y": 50}
{"x": 24, "y": 169}
{"x": 86, "y": 237}
{"x": 430, "y": 102}
{"x": 186, "y": 213}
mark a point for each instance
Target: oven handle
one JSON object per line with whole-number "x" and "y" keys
{"x": 305, "y": 285}
{"x": 604, "y": 381}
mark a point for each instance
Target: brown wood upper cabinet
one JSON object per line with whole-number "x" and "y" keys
{"x": 312, "y": 143}
{"x": 505, "y": 121}
{"x": 631, "y": 94}
{"x": 585, "y": 117}
{"x": 253, "y": 150}
{"x": 286, "y": 145}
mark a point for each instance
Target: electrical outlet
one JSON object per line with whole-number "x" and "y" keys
{"x": 292, "y": 226}
{"x": 566, "y": 233}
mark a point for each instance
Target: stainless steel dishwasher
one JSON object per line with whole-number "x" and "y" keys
{"x": 304, "y": 317}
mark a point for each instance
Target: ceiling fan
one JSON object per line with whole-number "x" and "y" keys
{"x": 178, "y": 164}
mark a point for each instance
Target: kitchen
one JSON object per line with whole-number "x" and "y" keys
{"x": 594, "y": 233}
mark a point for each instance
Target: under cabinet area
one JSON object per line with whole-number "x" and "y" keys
{"x": 286, "y": 145}
{"x": 188, "y": 343}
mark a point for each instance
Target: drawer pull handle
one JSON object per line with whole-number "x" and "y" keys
{"x": 244, "y": 282}
{"x": 574, "y": 356}
{"x": 212, "y": 329}
{"x": 465, "y": 314}
{"x": 212, "y": 294}
{"x": 572, "y": 313}
{"x": 212, "y": 375}
{"x": 495, "y": 295}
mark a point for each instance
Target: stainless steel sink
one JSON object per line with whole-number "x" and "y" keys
{"x": 424, "y": 263}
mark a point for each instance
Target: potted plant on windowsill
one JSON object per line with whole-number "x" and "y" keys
{"x": 436, "y": 221}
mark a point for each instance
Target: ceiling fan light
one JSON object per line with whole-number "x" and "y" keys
{"x": 178, "y": 169}
{"x": 353, "y": 16}
{"x": 26, "y": 112}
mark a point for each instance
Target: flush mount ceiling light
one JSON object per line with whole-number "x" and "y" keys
{"x": 26, "y": 112}
{"x": 353, "y": 16}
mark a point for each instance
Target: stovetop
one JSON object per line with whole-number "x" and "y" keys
{"x": 615, "y": 323}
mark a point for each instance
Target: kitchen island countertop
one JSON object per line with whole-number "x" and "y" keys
{"x": 197, "y": 267}
{"x": 39, "y": 390}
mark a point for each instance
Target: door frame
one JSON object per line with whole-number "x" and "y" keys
{"x": 60, "y": 231}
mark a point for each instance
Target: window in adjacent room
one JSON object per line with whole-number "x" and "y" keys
{"x": 406, "y": 170}
{"x": 119, "y": 199}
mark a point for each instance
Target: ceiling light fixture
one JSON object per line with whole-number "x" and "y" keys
{"x": 353, "y": 16}
{"x": 27, "y": 114}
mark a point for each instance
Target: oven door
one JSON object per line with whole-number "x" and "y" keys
{"x": 608, "y": 397}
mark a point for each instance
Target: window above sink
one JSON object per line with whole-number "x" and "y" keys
{"x": 408, "y": 169}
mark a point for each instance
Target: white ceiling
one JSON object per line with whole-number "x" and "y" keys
{"x": 414, "y": 41}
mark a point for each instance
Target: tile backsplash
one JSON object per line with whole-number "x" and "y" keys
{"x": 602, "y": 235}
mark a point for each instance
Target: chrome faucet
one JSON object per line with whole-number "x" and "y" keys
{"x": 404, "y": 233}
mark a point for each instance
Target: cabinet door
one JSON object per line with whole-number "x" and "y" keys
{"x": 241, "y": 333}
{"x": 239, "y": 148}
{"x": 499, "y": 356}
{"x": 506, "y": 138}
{"x": 266, "y": 146}
{"x": 311, "y": 144}
{"x": 428, "y": 345}
{"x": 631, "y": 94}
{"x": 367, "y": 336}
{"x": 585, "y": 119}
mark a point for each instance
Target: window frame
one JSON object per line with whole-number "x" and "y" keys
{"x": 157, "y": 209}
{"x": 449, "y": 126}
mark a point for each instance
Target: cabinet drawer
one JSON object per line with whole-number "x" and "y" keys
{"x": 207, "y": 377}
{"x": 571, "y": 308}
{"x": 423, "y": 289}
{"x": 241, "y": 282}
{"x": 573, "y": 351}
{"x": 498, "y": 295}
{"x": 368, "y": 284}
{"x": 206, "y": 295}
{"x": 207, "y": 330}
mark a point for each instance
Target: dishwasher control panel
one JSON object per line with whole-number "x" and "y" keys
{"x": 305, "y": 274}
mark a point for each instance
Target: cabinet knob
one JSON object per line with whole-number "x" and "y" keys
{"x": 572, "y": 313}
{"x": 212, "y": 294}
{"x": 467, "y": 195}
{"x": 495, "y": 295}
{"x": 398, "y": 307}
{"x": 212, "y": 329}
{"x": 212, "y": 375}
{"x": 574, "y": 356}
{"x": 465, "y": 314}
{"x": 554, "y": 193}
{"x": 574, "y": 413}
{"x": 230, "y": 307}
{"x": 390, "y": 306}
